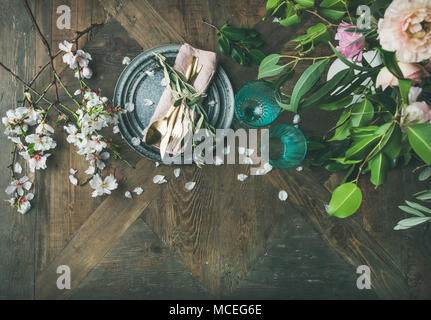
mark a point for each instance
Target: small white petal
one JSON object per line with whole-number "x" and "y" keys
{"x": 91, "y": 170}
{"x": 128, "y": 195}
{"x": 159, "y": 179}
{"x": 267, "y": 167}
{"x": 115, "y": 129}
{"x": 72, "y": 171}
{"x": 248, "y": 160}
{"x": 276, "y": 20}
{"x": 126, "y": 61}
{"x": 190, "y": 185}
{"x": 157, "y": 164}
{"x": 136, "y": 141}
{"x": 249, "y": 152}
{"x": 77, "y": 92}
{"x": 148, "y": 102}
{"x": 226, "y": 150}
{"x": 242, "y": 177}
{"x": 296, "y": 119}
{"x": 212, "y": 103}
{"x": 177, "y": 172}
{"x": 129, "y": 106}
{"x": 327, "y": 208}
{"x": 299, "y": 169}
{"x": 282, "y": 195}
{"x": 73, "y": 180}
{"x": 17, "y": 167}
{"x": 138, "y": 190}
{"x": 150, "y": 73}
{"x": 241, "y": 150}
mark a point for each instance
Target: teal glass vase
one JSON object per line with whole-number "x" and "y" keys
{"x": 286, "y": 146}
{"x": 256, "y": 105}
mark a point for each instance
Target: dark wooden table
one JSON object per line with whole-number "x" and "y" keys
{"x": 225, "y": 239}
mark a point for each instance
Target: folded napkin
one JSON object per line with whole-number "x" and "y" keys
{"x": 208, "y": 61}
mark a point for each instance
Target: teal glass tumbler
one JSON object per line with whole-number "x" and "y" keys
{"x": 286, "y": 146}
{"x": 256, "y": 105}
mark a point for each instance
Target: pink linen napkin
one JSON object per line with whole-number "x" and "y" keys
{"x": 207, "y": 59}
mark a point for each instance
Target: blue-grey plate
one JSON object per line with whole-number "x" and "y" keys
{"x": 135, "y": 85}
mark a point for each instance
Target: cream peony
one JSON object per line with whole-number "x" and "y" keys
{"x": 406, "y": 29}
{"x": 416, "y": 111}
{"x": 410, "y": 71}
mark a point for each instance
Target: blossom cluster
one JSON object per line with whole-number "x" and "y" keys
{"x": 93, "y": 116}
{"x": 31, "y": 146}
{"x": 77, "y": 61}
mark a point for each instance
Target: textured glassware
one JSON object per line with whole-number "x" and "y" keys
{"x": 256, "y": 105}
{"x": 286, "y": 146}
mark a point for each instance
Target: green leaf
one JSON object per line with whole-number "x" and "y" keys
{"x": 269, "y": 67}
{"x": 363, "y": 132}
{"x": 271, "y": 5}
{"x": 256, "y": 55}
{"x": 326, "y": 89}
{"x": 379, "y": 167}
{"x": 343, "y": 127}
{"x": 362, "y": 113}
{"x": 394, "y": 145}
{"x": 347, "y": 62}
{"x": 252, "y": 43}
{"x": 224, "y": 45}
{"x": 425, "y": 174}
{"x": 291, "y": 16}
{"x": 238, "y": 34}
{"x": 335, "y": 167}
{"x": 306, "y": 82}
{"x": 420, "y": 140}
{"x": 346, "y": 200}
{"x": 390, "y": 62}
{"x": 359, "y": 149}
{"x": 411, "y": 222}
{"x": 405, "y": 86}
{"x": 418, "y": 206}
{"x": 305, "y": 3}
{"x": 336, "y": 105}
{"x": 329, "y": 3}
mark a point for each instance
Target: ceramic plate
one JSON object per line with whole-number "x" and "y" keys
{"x": 136, "y": 84}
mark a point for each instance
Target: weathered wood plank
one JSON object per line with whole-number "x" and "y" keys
{"x": 140, "y": 266}
{"x": 345, "y": 236}
{"x": 16, "y": 231}
{"x": 96, "y": 236}
{"x": 142, "y": 22}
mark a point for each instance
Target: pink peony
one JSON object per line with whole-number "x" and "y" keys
{"x": 411, "y": 71}
{"x": 406, "y": 29}
{"x": 346, "y": 38}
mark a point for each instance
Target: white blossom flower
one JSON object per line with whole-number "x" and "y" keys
{"x": 115, "y": 129}
{"x": 44, "y": 128}
{"x": 282, "y": 195}
{"x": 241, "y": 177}
{"x": 91, "y": 170}
{"x": 177, "y": 172}
{"x": 159, "y": 179}
{"x": 35, "y": 161}
{"x": 18, "y": 142}
{"x": 128, "y": 195}
{"x": 126, "y": 61}
{"x": 65, "y": 46}
{"x": 72, "y": 171}
{"x": 19, "y": 186}
{"x": 23, "y": 203}
{"x": 73, "y": 180}
{"x": 138, "y": 190}
{"x": 17, "y": 168}
{"x": 103, "y": 186}
{"x": 190, "y": 185}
